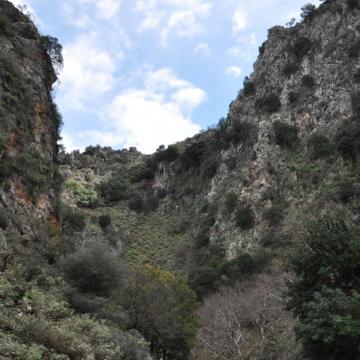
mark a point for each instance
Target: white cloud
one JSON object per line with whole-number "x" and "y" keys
{"x": 181, "y": 17}
{"x": 108, "y": 8}
{"x": 203, "y": 49}
{"x": 234, "y": 71}
{"x": 88, "y": 71}
{"x": 160, "y": 113}
{"x": 239, "y": 21}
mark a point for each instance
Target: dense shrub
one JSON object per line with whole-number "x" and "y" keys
{"x": 230, "y": 202}
{"x": 73, "y": 220}
{"x": 203, "y": 280}
{"x": 302, "y": 47}
{"x": 245, "y": 217}
{"x": 4, "y": 218}
{"x": 242, "y": 132}
{"x": 308, "y": 81}
{"x": 307, "y": 11}
{"x": 355, "y": 103}
{"x": 5, "y": 25}
{"x": 274, "y": 215}
{"x": 319, "y": 146}
{"x": 324, "y": 295}
{"x": 161, "y": 193}
{"x": 293, "y": 97}
{"x": 244, "y": 265}
{"x": 249, "y": 87}
{"x": 209, "y": 167}
{"x": 85, "y": 195}
{"x": 347, "y": 190}
{"x": 169, "y": 155}
{"x": 290, "y": 68}
{"x": 270, "y": 103}
{"x": 136, "y": 203}
{"x": 116, "y": 189}
{"x": 285, "y": 135}
{"x": 54, "y": 50}
{"x": 262, "y": 49}
{"x": 348, "y": 140}
{"x": 151, "y": 202}
{"x": 354, "y": 49}
{"x": 191, "y": 157}
{"x": 357, "y": 76}
{"x": 104, "y": 221}
{"x": 352, "y": 4}
{"x": 92, "y": 269}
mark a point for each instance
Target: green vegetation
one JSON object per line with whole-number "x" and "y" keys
{"x": 302, "y": 47}
{"x": 354, "y": 49}
{"x": 320, "y": 146}
{"x": 353, "y": 4}
{"x": 290, "y": 68}
{"x": 348, "y": 140}
{"x": 285, "y": 135}
{"x": 163, "y": 308}
{"x": 325, "y": 293}
{"x": 73, "y": 220}
{"x": 86, "y": 196}
{"x": 307, "y": 11}
{"x": 230, "y": 202}
{"x": 104, "y": 221}
{"x": 308, "y": 82}
{"x": 92, "y": 269}
{"x": 136, "y": 203}
{"x": 115, "y": 189}
{"x": 249, "y": 87}
{"x": 245, "y": 217}
{"x": 270, "y": 103}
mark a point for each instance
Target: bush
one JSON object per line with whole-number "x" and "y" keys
{"x": 92, "y": 269}
{"x": 352, "y": 4}
{"x": 290, "y": 68}
{"x": 307, "y": 11}
{"x": 242, "y": 132}
{"x": 293, "y": 97}
{"x": 85, "y": 195}
{"x": 230, "y": 202}
{"x": 209, "y": 168}
{"x": 308, "y": 82}
{"x": 245, "y": 217}
{"x": 274, "y": 215}
{"x": 285, "y": 135}
{"x": 151, "y": 202}
{"x": 161, "y": 193}
{"x": 324, "y": 295}
{"x": 192, "y": 156}
{"x": 4, "y": 218}
{"x": 270, "y": 103}
{"x": 5, "y": 25}
{"x": 355, "y": 103}
{"x": 203, "y": 280}
{"x": 244, "y": 265}
{"x": 136, "y": 203}
{"x": 348, "y": 140}
{"x": 73, "y": 220}
{"x": 168, "y": 155}
{"x": 354, "y": 49}
{"x": 146, "y": 173}
{"x": 319, "y": 146}
{"x": 104, "y": 221}
{"x": 249, "y": 87}
{"x": 116, "y": 189}
{"x": 348, "y": 190}
{"x": 357, "y": 76}
{"x": 302, "y": 47}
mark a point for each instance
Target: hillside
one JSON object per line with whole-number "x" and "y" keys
{"x": 220, "y": 215}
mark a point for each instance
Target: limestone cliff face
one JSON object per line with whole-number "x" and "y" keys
{"x": 29, "y": 124}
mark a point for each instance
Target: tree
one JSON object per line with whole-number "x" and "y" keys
{"x": 325, "y": 292}
{"x": 54, "y": 50}
{"x": 162, "y": 308}
{"x": 307, "y": 11}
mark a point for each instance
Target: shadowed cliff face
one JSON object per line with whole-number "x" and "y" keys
{"x": 29, "y": 123}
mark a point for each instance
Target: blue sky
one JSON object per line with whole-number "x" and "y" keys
{"x": 149, "y": 72}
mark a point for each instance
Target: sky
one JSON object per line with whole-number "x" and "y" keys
{"x": 149, "y": 72}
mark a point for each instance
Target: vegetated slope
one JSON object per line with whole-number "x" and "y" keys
{"x": 36, "y": 322}
{"x": 229, "y": 203}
